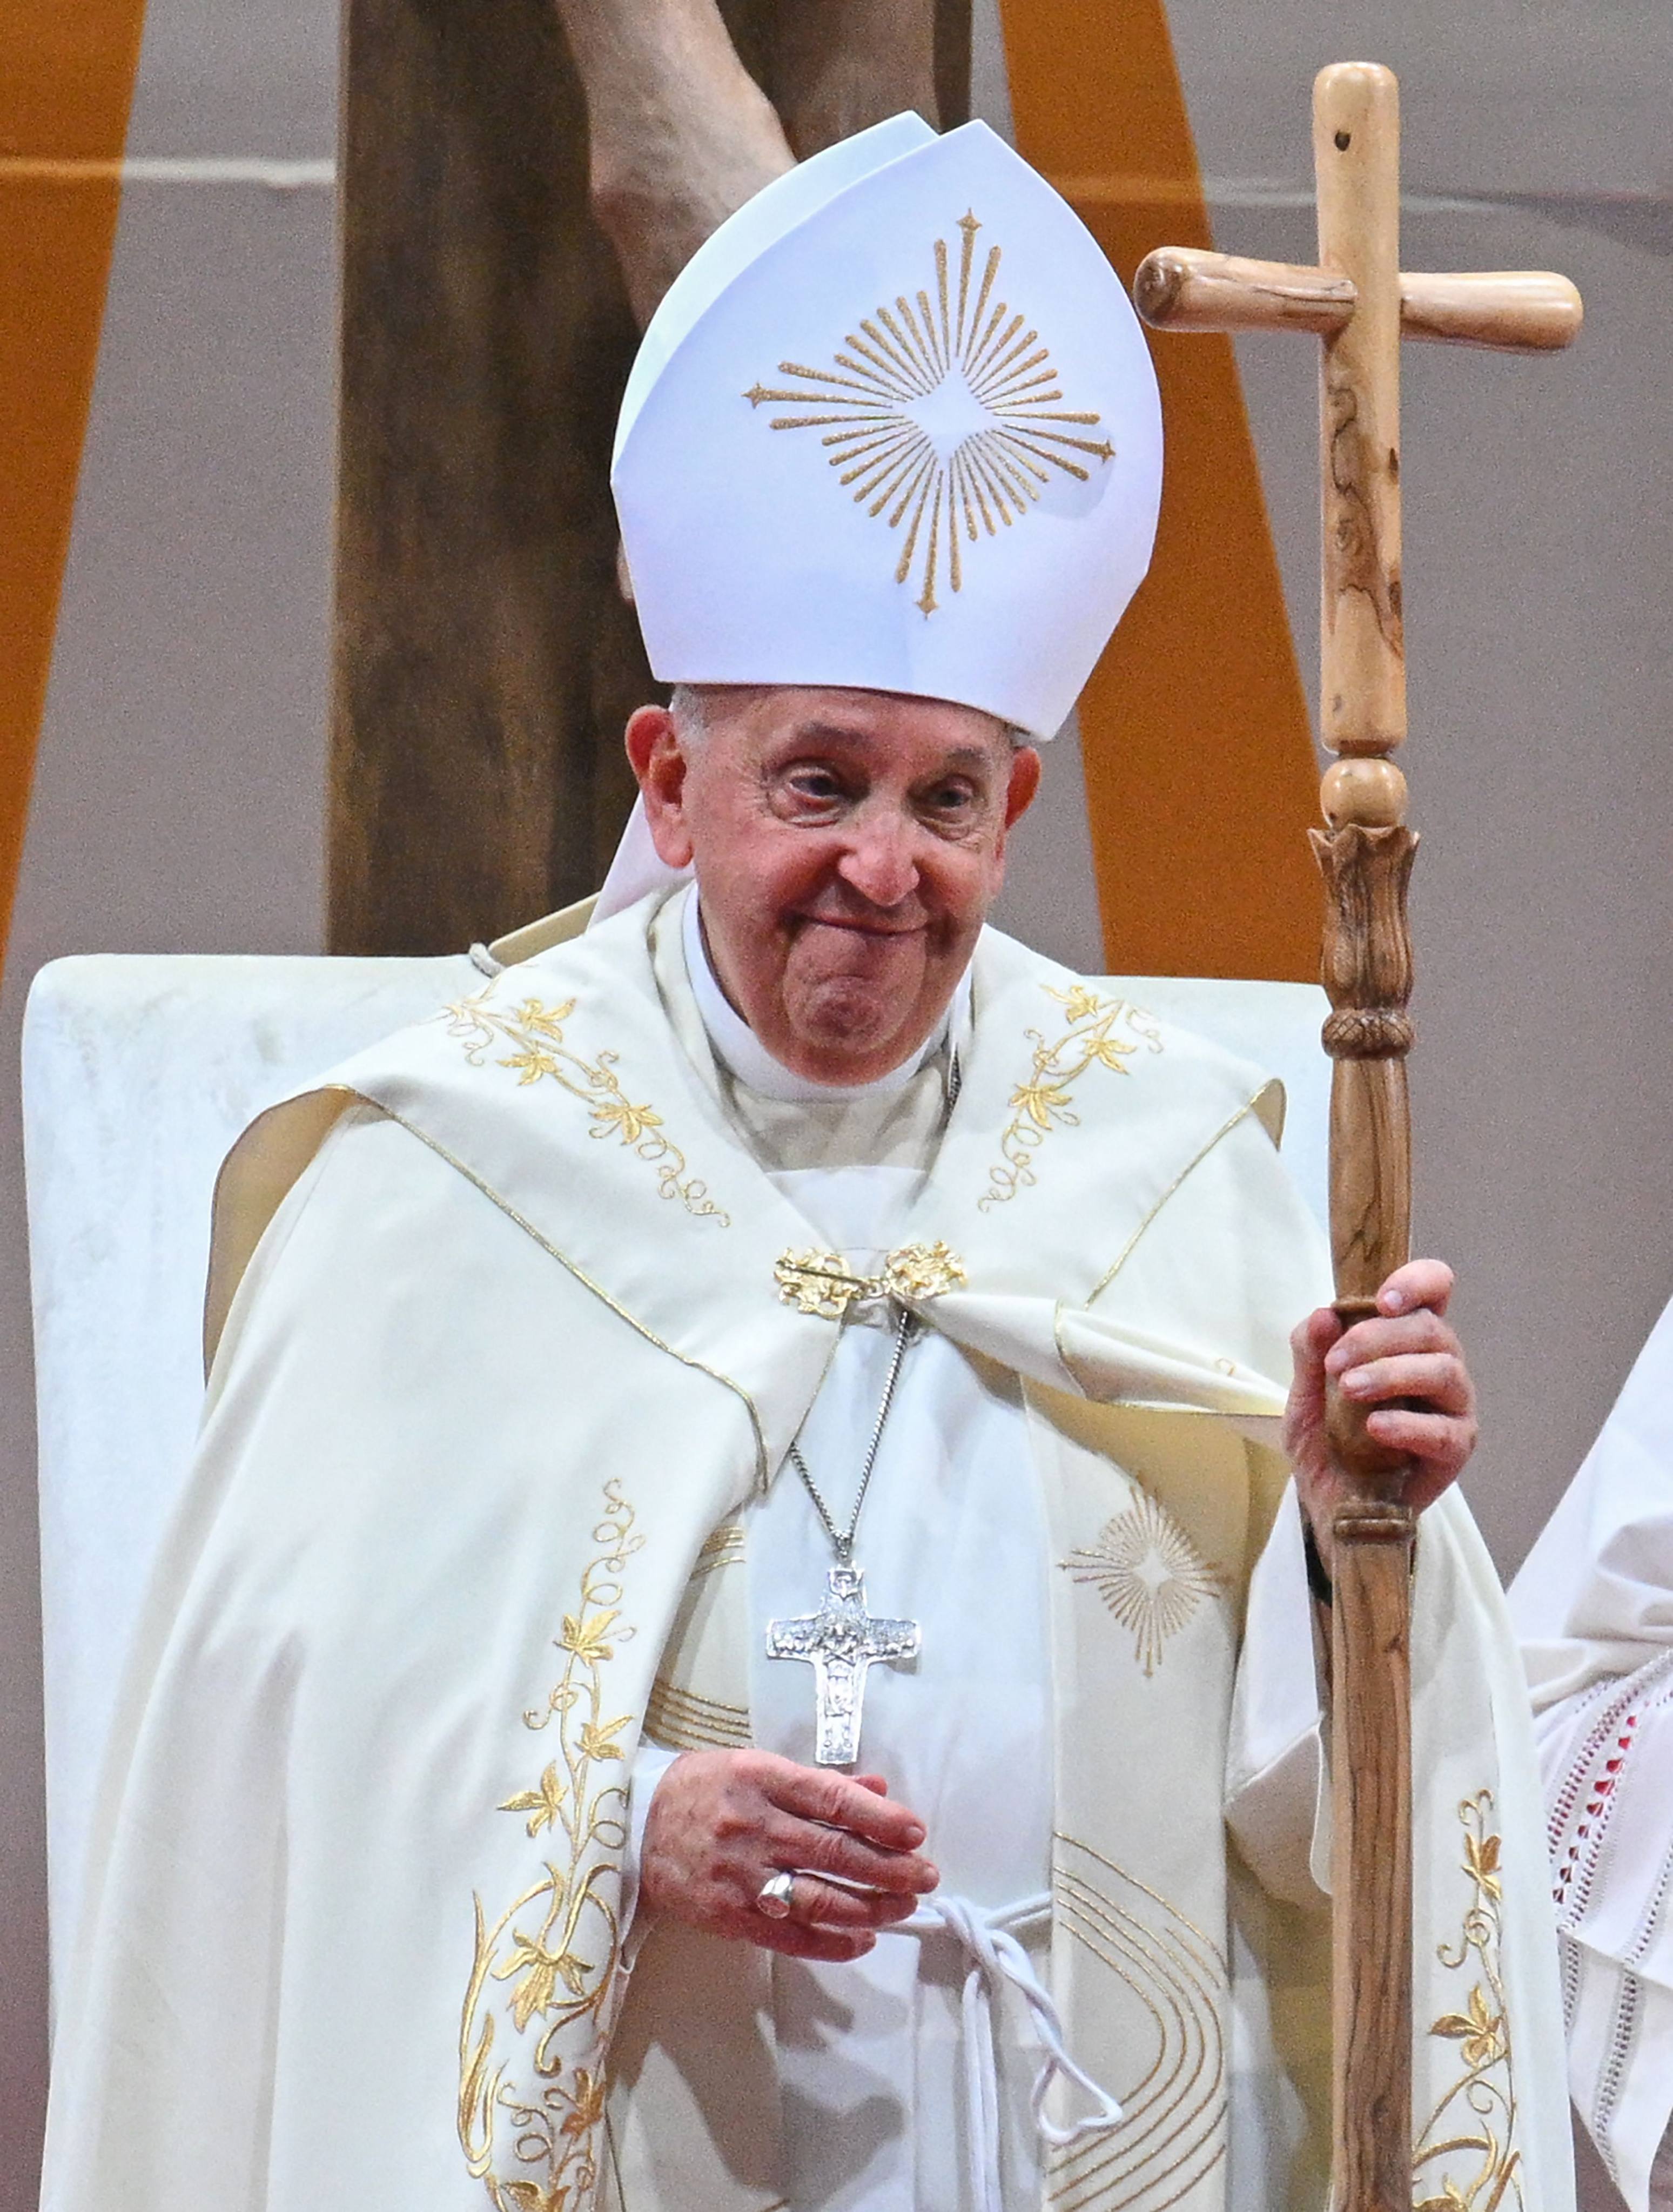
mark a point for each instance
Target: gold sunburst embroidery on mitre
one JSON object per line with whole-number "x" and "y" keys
{"x": 944, "y": 413}
{"x": 1149, "y": 1574}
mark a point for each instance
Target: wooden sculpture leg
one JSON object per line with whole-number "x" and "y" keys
{"x": 1372, "y": 1858}
{"x": 481, "y": 645}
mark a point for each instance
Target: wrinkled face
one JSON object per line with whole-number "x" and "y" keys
{"x": 847, "y": 846}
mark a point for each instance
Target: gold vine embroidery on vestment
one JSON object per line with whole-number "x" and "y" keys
{"x": 530, "y": 2130}
{"x": 1467, "y": 2158}
{"x": 1045, "y": 1100}
{"x": 535, "y": 1031}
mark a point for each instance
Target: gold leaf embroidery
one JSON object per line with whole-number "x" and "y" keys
{"x": 1147, "y": 1572}
{"x": 1476, "y": 2119}
{"x": 1480, "y": 2030}
{"x": 529, "y": 2196}
{"x": 586, "y": 1639}
{"x": 944, "y": 414}
{"x": 1044, "y": 1101}
{"x": 558, "y": 1945}
{"x": 542, "y": 1804}
{"x": 535, "y": 1031}
{"x": 822, "y": 1283}
{"x": 540, "y": 1971}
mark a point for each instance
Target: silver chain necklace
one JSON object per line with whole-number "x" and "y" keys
{"x": 842, "y": 1539}
{"x": 842, "y": 1640}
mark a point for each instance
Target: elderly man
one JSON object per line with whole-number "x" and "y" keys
{"x": 741, "y": 1635}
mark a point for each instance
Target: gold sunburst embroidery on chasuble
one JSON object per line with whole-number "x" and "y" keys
{"x": 1148, "y": 1573}
{"x": 944, "y": 413}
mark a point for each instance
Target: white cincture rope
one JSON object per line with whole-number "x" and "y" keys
{"x": 993, "y": 1955}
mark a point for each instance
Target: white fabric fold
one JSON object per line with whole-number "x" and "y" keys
{"x": 651, "y": 1761}
{"x": 637, "y": 870}
{"x": 1277, "y": 1782}
{"x": 1096, "y": 1356}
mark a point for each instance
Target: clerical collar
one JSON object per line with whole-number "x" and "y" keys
{"x": 742, "y": 1053}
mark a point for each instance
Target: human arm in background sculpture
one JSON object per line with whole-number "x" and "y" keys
{"x": 682, "y": 133}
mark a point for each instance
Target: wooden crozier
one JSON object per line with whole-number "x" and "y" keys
{"x": 1358, "y": 301}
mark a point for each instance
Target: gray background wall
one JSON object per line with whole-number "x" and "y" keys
{"x": 179, "y": 803}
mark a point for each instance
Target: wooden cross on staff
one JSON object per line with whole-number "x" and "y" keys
{"x": 1361, "y": 305}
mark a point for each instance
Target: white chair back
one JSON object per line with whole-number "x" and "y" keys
{"x": 138, "y": 1073}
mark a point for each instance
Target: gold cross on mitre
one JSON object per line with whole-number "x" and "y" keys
{"x": 1361, "y": 305}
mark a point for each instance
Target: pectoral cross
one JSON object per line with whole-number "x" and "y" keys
{"x": 840, "y": 1641}
{"x": 1362, "y": 304}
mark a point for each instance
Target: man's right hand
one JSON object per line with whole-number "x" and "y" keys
{"x": 723, "y": 1822}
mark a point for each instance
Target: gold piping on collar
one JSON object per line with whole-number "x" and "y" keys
{"x": 1196, "y": 1162}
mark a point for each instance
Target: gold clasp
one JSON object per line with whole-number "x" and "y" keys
{"x": 822, "y": 1283}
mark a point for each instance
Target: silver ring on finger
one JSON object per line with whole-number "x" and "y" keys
{"x": 775, "y": 1896}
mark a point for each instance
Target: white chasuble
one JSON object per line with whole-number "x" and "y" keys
{"x": 502, "y": 1369}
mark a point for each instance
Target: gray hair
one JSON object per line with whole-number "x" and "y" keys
{"x": 688, "y": 705}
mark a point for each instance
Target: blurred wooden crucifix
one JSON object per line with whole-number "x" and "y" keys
{"x": 519, "y": 186}
{"x": 1359, "y": 302}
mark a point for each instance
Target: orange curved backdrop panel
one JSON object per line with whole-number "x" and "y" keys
{"x": 1201, "y": 779}
{"x": 65, "y": 95}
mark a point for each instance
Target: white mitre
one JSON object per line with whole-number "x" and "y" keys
{"x": 893, "y": 427}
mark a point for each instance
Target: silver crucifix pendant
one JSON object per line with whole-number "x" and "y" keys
{"x": 840, "y": 1641}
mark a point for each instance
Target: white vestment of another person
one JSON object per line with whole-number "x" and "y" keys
{"x": 493, "y": 1486}
{"x": 1593, "y": 1605}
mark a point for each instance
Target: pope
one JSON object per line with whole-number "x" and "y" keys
{"x": 853, "y": 843}
{"x": 745, "y": 1632}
